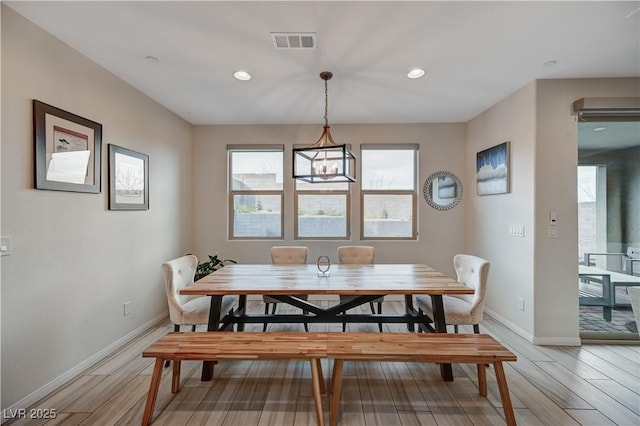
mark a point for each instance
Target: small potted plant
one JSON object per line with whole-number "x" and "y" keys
{"x": 213, "y": 264}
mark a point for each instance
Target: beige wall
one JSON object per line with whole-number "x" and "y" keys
{"x": 441, "y": 233}
{"x": 74, "y": 262}
{"x": 488, "y": 217}
{"x": 543, "y": 133}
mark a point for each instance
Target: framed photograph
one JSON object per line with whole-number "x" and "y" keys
{"x": 128, "y": 179}
{"x": 492, "y": 170}
{"x": 68, "y": 150}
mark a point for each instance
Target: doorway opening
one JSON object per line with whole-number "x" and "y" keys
{"x": 608, "y": 196}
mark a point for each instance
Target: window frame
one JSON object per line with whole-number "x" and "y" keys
{"x": 413, "y": 192}
{"x": 231, "y": 193}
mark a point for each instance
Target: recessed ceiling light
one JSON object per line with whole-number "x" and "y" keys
{"x": 416, "y": 73}
{"x": 152, "y": 59}
{"x": 242, "y": 75}
{"x": 549, "y": 63}
{"x": 599, "y": 129}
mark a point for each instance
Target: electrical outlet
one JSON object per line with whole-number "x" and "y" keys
{"x": 521, "y": 303}
{"x": 5, "y": 246}
{"x": 127, "y": 308}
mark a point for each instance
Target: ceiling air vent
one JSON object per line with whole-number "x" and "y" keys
{"x": 294, "y": 40}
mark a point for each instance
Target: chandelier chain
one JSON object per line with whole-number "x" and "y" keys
{"x": 326, "y": 103}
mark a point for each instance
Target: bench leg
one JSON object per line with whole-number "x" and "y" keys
{"x": 175, "y": 380}
{"x": 482, "y": 379}
{"x": 504, "y": 394}
{"x": 336, "y": 385}
{"x": 316, "y": 374}
{"x": 153, "y": 392}
{"x": 323, "y": 389}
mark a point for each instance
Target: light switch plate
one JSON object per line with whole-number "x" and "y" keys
{"x": 516, "y": 230}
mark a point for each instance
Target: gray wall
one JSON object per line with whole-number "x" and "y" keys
{"x": 623, "y": 195}
{"x": 74, "y": 262}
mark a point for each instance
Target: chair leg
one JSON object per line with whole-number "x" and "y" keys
{"x": 306, "y": 325}
{"x": 380, "y": 312}
{"x": 476, "y": 328}
{"x": 193, "y": 327}
{"x": 344, "y": 324}
{"x": 455, "y": 328}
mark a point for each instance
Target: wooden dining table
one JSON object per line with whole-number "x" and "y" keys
{"x": 363, "y": 283}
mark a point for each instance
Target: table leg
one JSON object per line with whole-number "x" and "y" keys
{"x": 608, "y": 293}
{"x": 441, "y": 327}
{"x": 408, "y": 305}
{"x": 242, "y": 308}
{"x": 214, "y": 323}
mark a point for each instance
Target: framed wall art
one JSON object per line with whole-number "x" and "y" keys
{"x": 492, "y": 170}
{"x": 128, "y": 179}
{"x": 68, "y": 150}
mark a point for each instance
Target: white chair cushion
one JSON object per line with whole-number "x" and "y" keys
{"x": 196, "y": 311}
{"x": 457, "y": 310}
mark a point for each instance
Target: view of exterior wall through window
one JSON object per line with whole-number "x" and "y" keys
{"x": 256, "y": 192}
{"x": 388, "y": 191}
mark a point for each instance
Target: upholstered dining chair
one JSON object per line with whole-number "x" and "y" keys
{"x": 185, "y": 309}
{"x": 463, "y": 309}
{"x": 359, "y": 255}
{"x": 285, "y": 255}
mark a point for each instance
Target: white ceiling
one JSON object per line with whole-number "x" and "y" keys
{"x": 475, "y": 54}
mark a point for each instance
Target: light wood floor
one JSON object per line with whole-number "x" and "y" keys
{"x": 588, "y": 385}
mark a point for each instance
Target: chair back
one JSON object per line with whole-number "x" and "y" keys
{"x": 634, "y": 295}
{"x": 289, "y": 255}
{"x": 356, "y": 255}
{"x": 473, "y": 271}
{"x": 178, "y": 273}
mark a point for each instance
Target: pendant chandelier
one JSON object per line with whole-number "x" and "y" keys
{"x": 324, "y": 161}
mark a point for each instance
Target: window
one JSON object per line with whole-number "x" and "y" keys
{"x": 388, "y": 191}
{"x": 255, "y": 192}
{"x": 322, "y": 210}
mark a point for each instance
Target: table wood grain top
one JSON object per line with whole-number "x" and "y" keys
{"x": 377, "y": 279}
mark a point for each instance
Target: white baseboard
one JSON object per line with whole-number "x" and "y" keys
{"x": 59, "y": 381}
{"x": 540, "y": 341}
{"x": 510, "y": 325}
{"x": 557, "y": 341}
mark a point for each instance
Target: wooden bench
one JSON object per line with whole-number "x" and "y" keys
{"x": 218, "y": 346}
{"x": 477, "y": 349}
